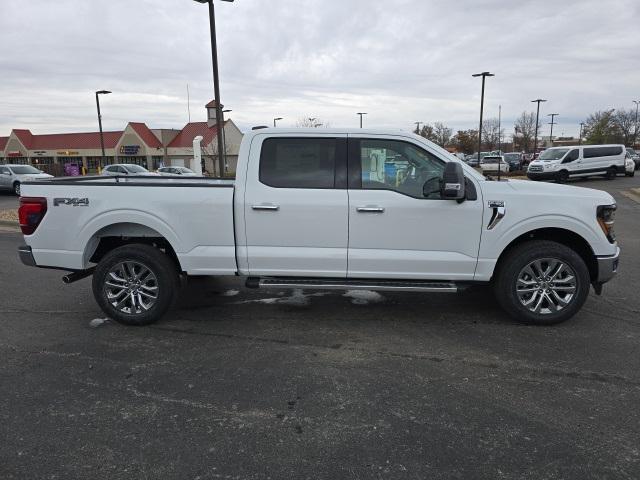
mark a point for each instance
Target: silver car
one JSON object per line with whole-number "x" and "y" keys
{"x": 11, "y": 176}
{"x": 126, "y": 169}
{"x": 177, "y": 171}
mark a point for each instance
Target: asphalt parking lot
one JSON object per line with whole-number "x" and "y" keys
{"x": 238, "y": 384}
{"x": 8, "y": 200}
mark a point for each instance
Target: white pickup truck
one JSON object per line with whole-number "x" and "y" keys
{"x": 326, "y": 209}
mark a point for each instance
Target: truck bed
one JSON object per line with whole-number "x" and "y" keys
{"x": 194, "y": 215}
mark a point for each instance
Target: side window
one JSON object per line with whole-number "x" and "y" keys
{"x": 401, "y": 167}
{"x": 4, "y": 170}
{"x": 121, "y": 170}
{"x": 298, "y": 162}
{"x": 572, "y": 156}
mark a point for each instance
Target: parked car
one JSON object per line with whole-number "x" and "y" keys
{"x": 13, "y": 176}
{"x": 472, "y": 160}
{"x": 126, "y": 169}
{"x": 629, "y": 166}
{"x": 494, "y": 163}
{"x": 305, "y": 211}
{"x": 177, "y": 171}
{"x": 562, "y": 163}
{"x": 635, "y": 156}
{"x": 514, "y": 159}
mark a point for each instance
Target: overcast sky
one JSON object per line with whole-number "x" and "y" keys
{"x": 401, "y": 61}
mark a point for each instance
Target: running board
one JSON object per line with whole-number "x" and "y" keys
{"x": 344, "y": 284}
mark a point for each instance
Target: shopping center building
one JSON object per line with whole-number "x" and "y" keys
{"x": 137, "y": 143}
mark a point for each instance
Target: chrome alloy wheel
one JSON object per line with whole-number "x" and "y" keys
{"x": 546, "y": 286}
{"x": 131, "y": 287}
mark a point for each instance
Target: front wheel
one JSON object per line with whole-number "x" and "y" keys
{"x": 631, "y": 173}
{"x": 542, "y": 282}
{"x": 16, "y": 188}
{"x": 135, "y": 284}
{"x": 562, "y": 176}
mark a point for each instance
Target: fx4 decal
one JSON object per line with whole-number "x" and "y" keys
{"x": 74, "y": 202}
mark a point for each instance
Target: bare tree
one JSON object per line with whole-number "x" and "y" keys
{"x": 601, "y": 127}
{"x": 625, "y": 121}
{"x": 491, "y": 133}
{"x": 427, "y": 131}
{"x": 311, "y": 122}
{"x": 442, "y": 134}
{"x": 210, "y": 153}
{"x": 525, "y": 130}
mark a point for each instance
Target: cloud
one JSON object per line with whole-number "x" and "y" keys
{"x": 399, "y": 60}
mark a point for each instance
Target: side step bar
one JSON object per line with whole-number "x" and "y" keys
{"x": 346, "y": 284}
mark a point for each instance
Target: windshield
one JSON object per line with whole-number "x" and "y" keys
{"x": 184, "y": 170}
{"x": 136, "y": 169}
{"x": 553, "y": 154}
{"x": 25, "y": 170}
{"x": 512, "y": 156}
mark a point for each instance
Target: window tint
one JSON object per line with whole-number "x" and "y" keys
{"x": 401, "y": 167}
{"x": 298, "y": 162}
{"x": 591, "y": 152}
{"x": 572, "y": 156}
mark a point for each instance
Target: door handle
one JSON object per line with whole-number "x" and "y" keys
{"x": 266, "y": 207}
{"x": 370, "y": 209}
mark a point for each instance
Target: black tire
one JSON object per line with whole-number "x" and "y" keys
{"x": 562, "y": 176}
{"x": 611, "y": 174}
{"x": 165, "y": 282}
{"x": 631, "y": 174}
{"x": 510, "y": 268}
{"x": 16, "y": 188}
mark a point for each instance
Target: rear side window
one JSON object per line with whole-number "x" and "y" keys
{"x": 591, "y": 152}
{"x": 298, "y": 162}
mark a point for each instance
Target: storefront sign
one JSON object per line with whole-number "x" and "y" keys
{"x": 39, "y": 152}
{"x": 17, "y": 153}
{"x": 129, "y": 150}
{"x": 67, "y": 153}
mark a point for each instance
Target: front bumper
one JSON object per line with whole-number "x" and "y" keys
{"x": 541, "y": 175}
{"x": 607, "y": 267}
{"x": 26, "y": 256}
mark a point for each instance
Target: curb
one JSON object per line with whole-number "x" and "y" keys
{"x": 9, "y": 223}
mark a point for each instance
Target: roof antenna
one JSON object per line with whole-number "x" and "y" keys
{"x": 188, "y": 103}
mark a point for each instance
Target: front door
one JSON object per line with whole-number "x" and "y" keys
{"x": 296, "y": 206}
{"x": 399, "y": 227}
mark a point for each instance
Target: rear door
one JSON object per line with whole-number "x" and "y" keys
{"x": 296, "y": 206}
{"x": 395, "y": 230}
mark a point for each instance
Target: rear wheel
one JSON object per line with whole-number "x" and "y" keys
{"x": 135, "y": 284}
{"x": 611, "y": 174}
{"x": 542, "y": 282}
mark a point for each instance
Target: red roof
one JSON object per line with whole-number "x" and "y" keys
{"x": 24, "y": 136}
{"x": 3, "y": 142}
{"x": 146, "y": 135}
{"x": 190, "y": 131}
{"x": 89, "y": 140}
{"x": 211, "y": 104}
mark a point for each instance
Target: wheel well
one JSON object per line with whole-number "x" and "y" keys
{"x": 565, "y": 237}
{"x": 117, "y": 235}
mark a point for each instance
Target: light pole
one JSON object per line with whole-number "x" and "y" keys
{"x": 101, "y": 92}
{"x": 361, "y": 115}
{"x": 535, "y": 140}
{"x": 418, "y": 127}
{"x": 484, "y": 75}
{"x": 553, "y": 116}
{"x": 635, "y": 130}
{"x": 224, "y": 138}
{"x": 216, "y": 80}
{"x": 581, "y": 127}
{"x": 275, "y": 120}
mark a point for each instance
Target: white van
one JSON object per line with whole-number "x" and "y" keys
{"x": 562, "y": 163}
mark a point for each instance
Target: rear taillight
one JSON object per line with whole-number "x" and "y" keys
{"x": 31, "y": 213}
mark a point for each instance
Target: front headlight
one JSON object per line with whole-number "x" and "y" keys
{"x": 606, "y": 219}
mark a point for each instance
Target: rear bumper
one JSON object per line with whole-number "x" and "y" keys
{"x": 607, "y": 267}
{"x": 26, "y": 256}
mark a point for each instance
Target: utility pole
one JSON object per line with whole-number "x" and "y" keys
{"x": 635, "y": 130}
{"x": 581, "y": 127}
{"x": 535, "y": 140}
{"x": 101, "y": 92}
{"x": 484, "y": 75}
{"x": 361, "y": 115}
{"x": 418, "y": 127}
{"x": 553, "y": 116}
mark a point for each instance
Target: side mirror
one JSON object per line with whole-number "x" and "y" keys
{"x": 453, "y": 184}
